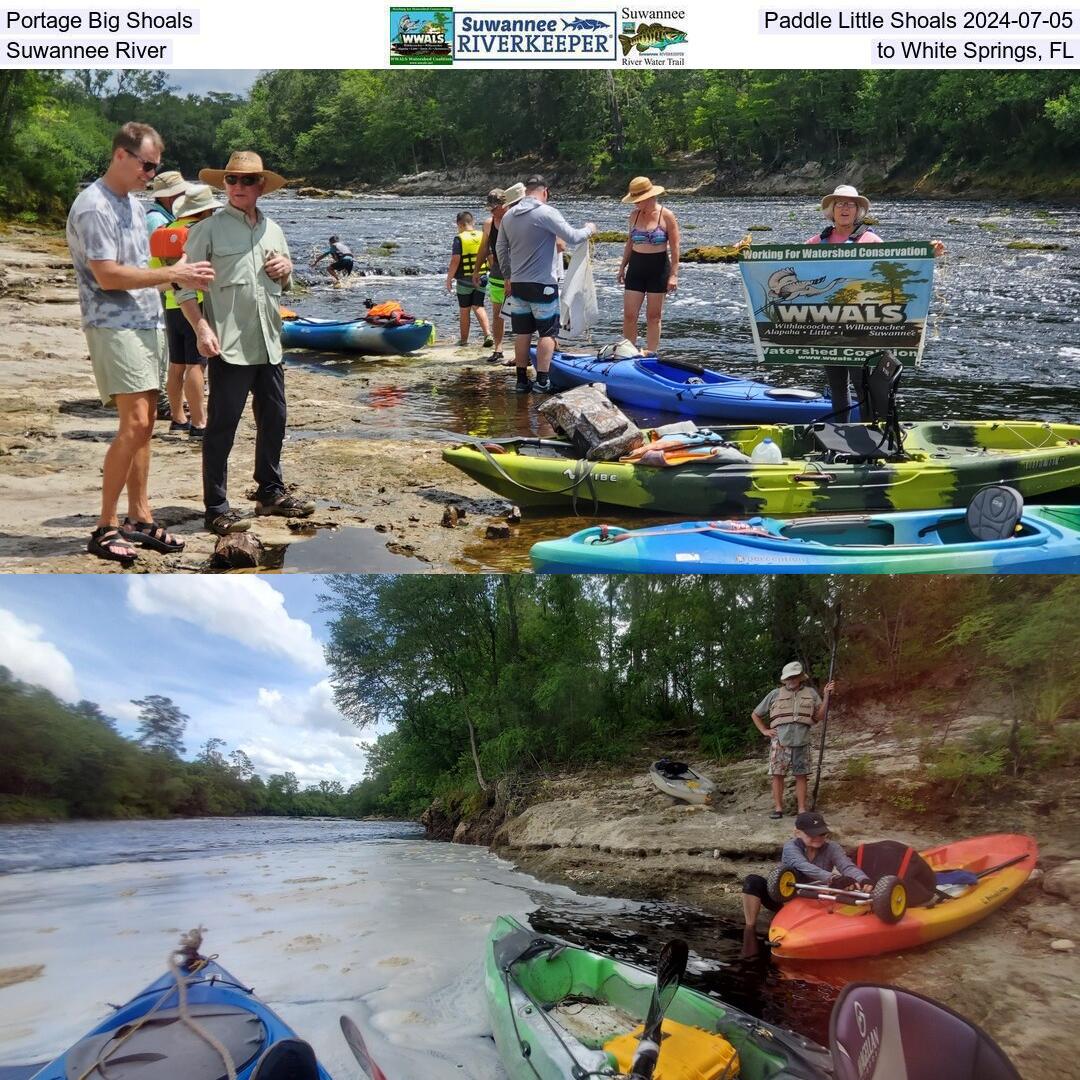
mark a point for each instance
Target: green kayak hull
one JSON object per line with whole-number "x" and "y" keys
{"x": 945, "y": 464}
{"x": 527, "y": 974}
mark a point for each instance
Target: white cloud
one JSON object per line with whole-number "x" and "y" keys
{"x": 244, "y": 608}
{"x": 28, "y": 657}
{"x": 312, "y": 709}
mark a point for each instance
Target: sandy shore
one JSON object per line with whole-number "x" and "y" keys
{"x": 54, "y": 433}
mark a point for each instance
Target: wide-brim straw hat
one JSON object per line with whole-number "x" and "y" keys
{"x": 791, "y": 670}
{"x": 241, "y": 162}
{"x": 167, "y": 183}
{"x": 513, "y": 194}
{"x": 198, "y": 199}
{"x": 642, "y": 188}
{"x": 846, "y": 191}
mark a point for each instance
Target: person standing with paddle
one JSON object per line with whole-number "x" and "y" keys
{"x": 792, "y": 710}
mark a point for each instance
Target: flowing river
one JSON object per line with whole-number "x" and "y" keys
{"x": 323, "y": 917}
{"x": 1003, "y": 336}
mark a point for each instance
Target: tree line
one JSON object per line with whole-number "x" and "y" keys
{"x": 484, "y": 680}
{"x": 490, "y": 678}
{"x": 371, "y": 126}
{"x": 59, "y": 760}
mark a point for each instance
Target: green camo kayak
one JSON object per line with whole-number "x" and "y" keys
{"x": 558, "y": 1011}
{"x": 943, "y": 464}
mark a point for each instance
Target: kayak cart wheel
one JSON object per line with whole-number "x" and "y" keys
{"x": 888, "y": 900}
{"x": 781, "y": 885}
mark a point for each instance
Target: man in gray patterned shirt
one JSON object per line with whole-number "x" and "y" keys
{"x": 124, "y": 327}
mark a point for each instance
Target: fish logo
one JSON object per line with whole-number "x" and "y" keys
{"x": 584, "y": 24}
{"x": 651, "y": 36}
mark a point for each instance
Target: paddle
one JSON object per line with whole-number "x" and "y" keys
{"x": 360, "y": 1050}
{"x": 669, "y": 972}
{"x": 825, "y": 718}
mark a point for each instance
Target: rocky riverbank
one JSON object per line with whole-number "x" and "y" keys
{"x": 383, "y": 500}
{"x": 611, "y": 832}
{"x": 699, "y": 174}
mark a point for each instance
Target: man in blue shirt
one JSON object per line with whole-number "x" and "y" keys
{"x": 814, "y": 858}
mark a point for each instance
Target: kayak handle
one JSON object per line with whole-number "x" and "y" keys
{"x": 824, "y": 477}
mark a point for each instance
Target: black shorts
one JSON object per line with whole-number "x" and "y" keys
{"x": 180, "y": 335}
{"x": 468, "y": 295}
{"x": 343, "y": 266}
{"x": 648, "y": 271}
{"x": 534, "y": 308}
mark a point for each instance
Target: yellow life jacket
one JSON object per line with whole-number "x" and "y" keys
{"x": 686, "y": 1053}
{"x": 470, "y": 248}
{"x": 166, "y": 246}
{"x": 793, "y": 706}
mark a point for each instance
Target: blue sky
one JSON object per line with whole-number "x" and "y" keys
{"x": 241, "y": 655}
{"x": 203, "y": 82}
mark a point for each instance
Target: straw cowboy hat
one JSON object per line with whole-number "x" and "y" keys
{"x": 513, "y": 194}
{"x": 845, "y": 191}
{"x": 642, "y": 188}
{"x": 198, "y": 199}
{"x": 241, "y": 162}
{"x": 167, "y": 183}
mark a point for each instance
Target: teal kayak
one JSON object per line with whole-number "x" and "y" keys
{"x": 559, "y": 1011}
{"x": 355, "y": 336}
{"x": 1047, "y": 541}
{"x": 150, "y": 1037}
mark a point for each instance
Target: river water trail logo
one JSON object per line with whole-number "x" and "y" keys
{"x": 530, "y": 36}
{"x": 652, "y": 38}
{"x": 421, "y": 35}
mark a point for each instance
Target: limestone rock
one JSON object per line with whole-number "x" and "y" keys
{"x": 1055, "y": 921}
{"x": 1064, "y": 880}
{"x": 1062, "y": 945}
{"x": 498, "y": 531}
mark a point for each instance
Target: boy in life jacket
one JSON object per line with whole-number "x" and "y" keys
{"x": 459, "y": 277}
{"x": 791, "y": 711}
{"x": 187, "y": 368}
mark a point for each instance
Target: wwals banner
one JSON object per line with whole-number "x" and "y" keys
{"x": 838, "y": 303}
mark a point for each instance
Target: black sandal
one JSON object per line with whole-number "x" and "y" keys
{"x": 151, "y": 535}
{"x": 106, "y": 542}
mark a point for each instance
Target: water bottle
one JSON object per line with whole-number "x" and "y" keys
{"x": 767, "y": 452}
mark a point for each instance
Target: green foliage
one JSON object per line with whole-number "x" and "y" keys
{"x": 970, "y": 771}
{"x": 858, "y": 768}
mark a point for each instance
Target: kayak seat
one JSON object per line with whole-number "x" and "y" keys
{"x": 880, "y": 436}
{"x": 289, "y": 1059}
{"x": 885, "y": 1031}
{"x": 994, "y": 513}
{"x": 673, "y": 770}
{"x": 883, "y": 858}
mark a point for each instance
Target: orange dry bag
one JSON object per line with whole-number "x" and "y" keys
{"x": 168, "y": 241}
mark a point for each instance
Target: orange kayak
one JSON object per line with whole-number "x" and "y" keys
{"x": 810, "y": 929}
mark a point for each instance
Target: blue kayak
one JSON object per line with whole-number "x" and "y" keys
{"x": 357, "y": 336}
{"x": 1046, "y": 541}
{"x": 148, "y": 1039}
{"x": 673, "y": 386}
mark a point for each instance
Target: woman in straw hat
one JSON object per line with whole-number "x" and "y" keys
{"x": 846, "y": 211}
{"x": 650, "y": 262}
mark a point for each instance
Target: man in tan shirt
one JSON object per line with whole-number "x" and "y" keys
{"x": 239, "y": 331}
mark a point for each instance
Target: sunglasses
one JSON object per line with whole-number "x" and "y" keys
{"x": 151, "y": 167}
{"x": 247, "y": 180}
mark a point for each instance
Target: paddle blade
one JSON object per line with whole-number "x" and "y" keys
{"x": 669, "y": 973}
{"x": 360, "y": 1050}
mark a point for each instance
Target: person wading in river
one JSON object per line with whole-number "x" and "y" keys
{"x": 527, "y": 252}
